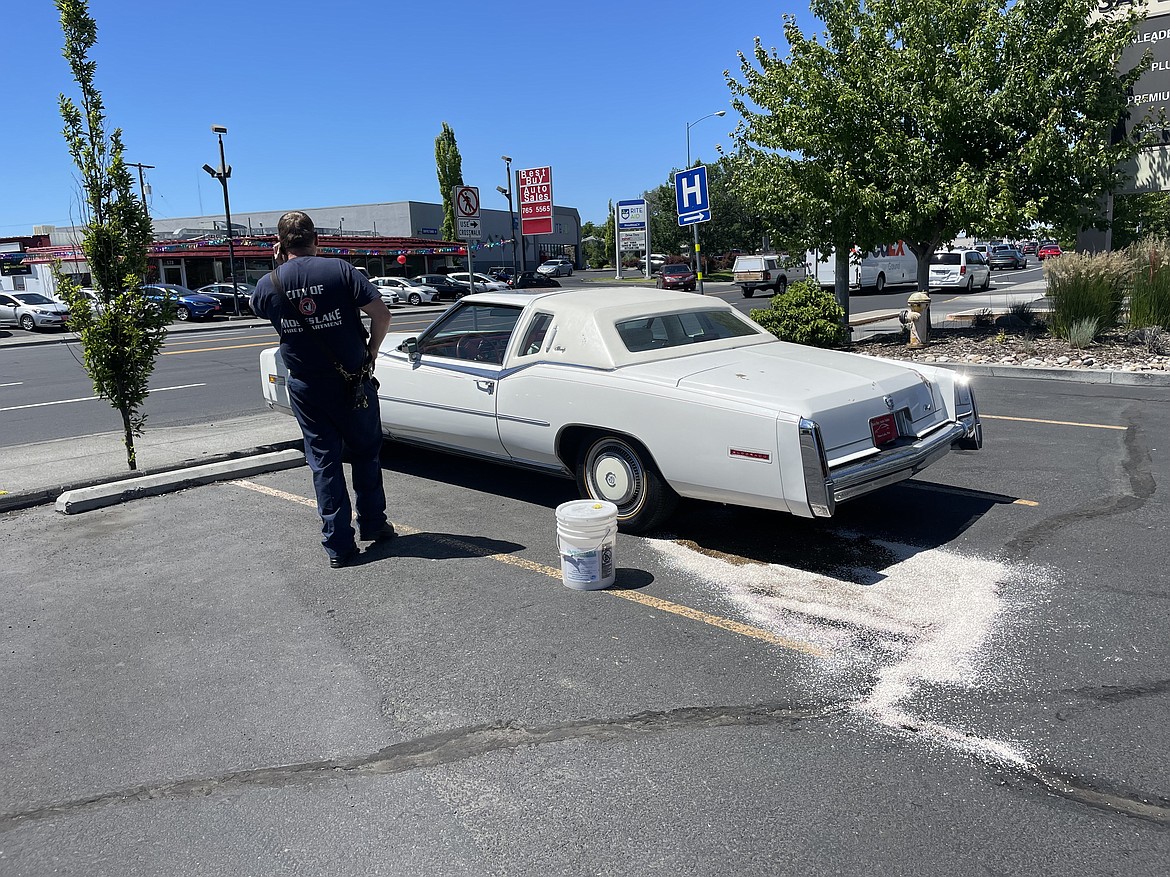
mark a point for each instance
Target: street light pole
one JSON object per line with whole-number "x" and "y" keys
{"x": 507, "y": 193}
{"x": 223, "y": 174}
{"x": 695, "y": 225}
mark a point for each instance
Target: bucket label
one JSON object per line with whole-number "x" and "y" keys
{"x": 580, "y": 567}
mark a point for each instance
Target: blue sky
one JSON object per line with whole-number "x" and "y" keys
{"x": 340, "y": 103}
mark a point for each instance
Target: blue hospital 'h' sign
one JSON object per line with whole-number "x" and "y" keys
{"x": 690, "y": 196}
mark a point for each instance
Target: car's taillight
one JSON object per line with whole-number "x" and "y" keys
{"x": 962, "y": 270}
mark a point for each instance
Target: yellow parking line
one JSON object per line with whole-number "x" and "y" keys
{"x": 658, "y": 603}
{"x": 214, "y": 349}
{"x": 1054, "y": 422}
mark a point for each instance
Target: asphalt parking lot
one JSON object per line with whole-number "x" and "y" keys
{"x": 965, "y": 671}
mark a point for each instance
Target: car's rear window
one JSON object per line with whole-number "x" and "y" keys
{"x": 675, "y": 330}
{"x": 946, "y": 259}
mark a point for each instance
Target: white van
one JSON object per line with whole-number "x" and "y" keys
{"x": 887, "y": 265}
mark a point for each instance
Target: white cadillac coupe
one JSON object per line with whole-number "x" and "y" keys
{"x": 647, "y": 395}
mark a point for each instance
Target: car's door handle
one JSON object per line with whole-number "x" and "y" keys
{"x": 488, "y": 387}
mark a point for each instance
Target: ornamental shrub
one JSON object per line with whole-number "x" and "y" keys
{"x": 1149, "y": 301}
{"x": 1086, "y": 287}
{"x": 804, "y": 314}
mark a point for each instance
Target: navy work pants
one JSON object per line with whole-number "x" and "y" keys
{"x": 335, "y": 431}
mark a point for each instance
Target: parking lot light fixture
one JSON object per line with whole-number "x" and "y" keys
{"x": 223, "y": 174}
{"x": 507, "y": 193}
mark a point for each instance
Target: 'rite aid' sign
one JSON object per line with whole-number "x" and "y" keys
{"x": 631, "y": 215}
{"x": 536, "y": 203}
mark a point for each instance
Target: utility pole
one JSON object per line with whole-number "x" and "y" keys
{"x": 142, "y": 188}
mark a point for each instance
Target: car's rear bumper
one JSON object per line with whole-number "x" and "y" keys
{"x": 825, "y": 487}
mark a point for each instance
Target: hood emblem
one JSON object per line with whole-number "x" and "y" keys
{"x": 889, "y": 400}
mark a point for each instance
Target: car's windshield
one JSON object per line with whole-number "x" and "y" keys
{"x": 32, "y": 298}
{"x": 946, "y": 259}
{"x": 675, "y": 330}
{"x": 676, "y": 269}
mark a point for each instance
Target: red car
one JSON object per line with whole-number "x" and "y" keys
{"x": 1048, "y": 250}
{"x": 677, "y": 275}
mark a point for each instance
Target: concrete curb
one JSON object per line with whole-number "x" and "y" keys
{"x": 1069, "y": 375}
{"x": 86, "y": 499}
{"x": 30, "y": 498}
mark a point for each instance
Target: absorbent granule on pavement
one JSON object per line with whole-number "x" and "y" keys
{"x": 923, "y": 620}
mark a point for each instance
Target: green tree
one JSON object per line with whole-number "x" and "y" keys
{"x": 449, "y": 165}
{"x": 917, "y": 119}
{"x": 1135, "y": 217}
{"x": 610, "y": 233}
{"x": 121, "y": 336}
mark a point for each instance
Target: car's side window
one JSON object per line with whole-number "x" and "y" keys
{"x": 534, "y": 337}
{"x": 476, "y": 333}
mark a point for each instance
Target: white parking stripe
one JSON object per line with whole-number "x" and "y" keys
{"x": 92, "y": 398}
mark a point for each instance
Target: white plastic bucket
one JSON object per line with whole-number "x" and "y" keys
{"x": 586, "y": 531}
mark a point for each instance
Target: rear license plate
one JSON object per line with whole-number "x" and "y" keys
{"x": 884, "y": 429}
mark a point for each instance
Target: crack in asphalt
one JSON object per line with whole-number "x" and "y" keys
{"x": 461, "y": 744}
{"x": 447, "y": 747}
{"x": 1138, "y": 469}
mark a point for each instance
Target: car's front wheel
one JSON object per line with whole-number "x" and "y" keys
{"x": 618, "y": 470}
{"x": 414, "y": 298}
{"x": 28, "y": 323}
{"x": 879, "y": 285}
{"x": 986, "y": 282}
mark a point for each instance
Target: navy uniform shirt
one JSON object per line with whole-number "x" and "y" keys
{"x": 327, "y": 293}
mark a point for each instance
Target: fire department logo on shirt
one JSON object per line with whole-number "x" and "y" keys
{"x": 307, "y": 306}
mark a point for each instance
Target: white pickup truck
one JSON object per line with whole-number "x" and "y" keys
{"x": 771, "y": 272}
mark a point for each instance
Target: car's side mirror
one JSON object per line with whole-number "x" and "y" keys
{"x": 410, "y": 348}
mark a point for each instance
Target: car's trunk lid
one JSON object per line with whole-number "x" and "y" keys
{"x": 840, "y": 391}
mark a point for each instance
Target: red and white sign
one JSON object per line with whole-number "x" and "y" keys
{"x": 536, "y": 202}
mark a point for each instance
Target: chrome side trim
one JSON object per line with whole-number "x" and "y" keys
{"x": 818, "y": 488}
{"x": 973, "y": 440}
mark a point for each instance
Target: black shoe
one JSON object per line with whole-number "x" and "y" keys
{"x": 383, "y": 535}
{"x": 341, "y": 560}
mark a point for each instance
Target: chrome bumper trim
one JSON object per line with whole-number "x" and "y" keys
{"x": 824, "y": 488}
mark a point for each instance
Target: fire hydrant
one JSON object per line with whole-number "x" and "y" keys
{"x": 917, "y": 318}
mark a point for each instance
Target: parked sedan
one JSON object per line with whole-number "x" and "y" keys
{"x": 187, "y": 304}
{"x": 1047, "y": 251}
{"x": 483, "y": 283}
{"x": 222, "y": 292}
{"x": 644, "y": 396}
{"x": 447, "y": 288}
{"x": 959, "y": 269}
{"x": 556, "y": 267}
{"x": 31, "y": 311}
{"x": 1006, "y": 257}
{"x": 403, "y": 290}
{"x": 677, "y": 275}
{"x": 532, "y": 280}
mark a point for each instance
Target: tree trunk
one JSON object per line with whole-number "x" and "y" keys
{"x": 841, "y": 280}
{"x": 128, "y": 440}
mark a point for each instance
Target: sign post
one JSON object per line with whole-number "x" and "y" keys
{"x": 693, "y": 206}
{"x": 633, "y": 231}
{"x": 467, "y": 222}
